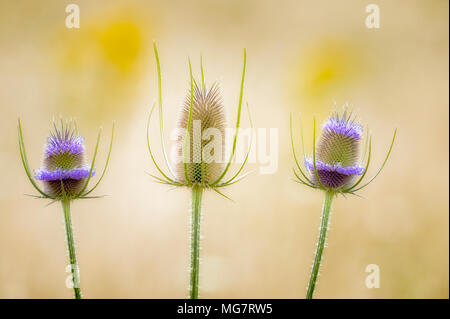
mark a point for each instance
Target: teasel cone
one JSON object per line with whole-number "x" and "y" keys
{"x": 208, "y": 115}
{"x": 64, "y": 169}
{"x": 200, "y": 146}
{"x": 334, "y": 168}
{"x": 337, "y": 153}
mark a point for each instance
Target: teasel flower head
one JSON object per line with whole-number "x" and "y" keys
{"x": 336, "y": 162}
{"x": 201, "y": 160}
{"x": 208, "y": 114}
{"x": 64, "y": 173}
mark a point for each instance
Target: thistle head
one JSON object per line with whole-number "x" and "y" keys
{"x": 64, "y": 170}
{"x": 200, "y": 144}
{"x": 337, "y": 159}
{"x": 337, "y": 153}
{"x": 204, "y": 125}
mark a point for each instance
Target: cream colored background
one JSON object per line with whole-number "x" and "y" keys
{"x": 302, "y": 56}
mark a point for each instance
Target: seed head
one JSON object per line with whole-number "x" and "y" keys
{"x": 201, "y": 137}
{"x": 205, "y": 148}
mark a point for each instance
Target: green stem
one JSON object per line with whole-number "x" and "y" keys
{"x": 71, "y": 248}
{"x": 321, "y": 244}
{"x": 195, "y": 239}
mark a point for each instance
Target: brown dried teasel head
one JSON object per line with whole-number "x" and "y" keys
{"x": 200, "y": 143}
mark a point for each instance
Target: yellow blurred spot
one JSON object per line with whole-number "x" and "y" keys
{"x": 115, "y": 40}
{"x": 100, "y": 63}
{"x": 121, "y": 42}
{"x": 327, "y": 71}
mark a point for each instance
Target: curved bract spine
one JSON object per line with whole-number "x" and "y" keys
{"x": 238, "y": 121}
{"x": 382, "y": 165}
{"x": 167, "y": 178}
{"x": 308, "y": 182}
{"x": 161, "y": 120}
{"x": 188, "y": 128}
{"x": 104, "y": 168}
{"x": 23, "y": 156}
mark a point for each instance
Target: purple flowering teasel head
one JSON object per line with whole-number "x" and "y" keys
{"x": 64, "y": 173}
{"x": 64, "y": 169}
{"x": 337, "y": 153}
{"x": 337, "y": 159}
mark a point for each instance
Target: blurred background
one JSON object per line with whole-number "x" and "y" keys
{"x": 303, "y": 57}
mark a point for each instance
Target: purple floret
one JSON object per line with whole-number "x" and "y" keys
{"x": 344, "y": 170}
{"x": 62, "y": 174}
{"x": 73, "y": 145}
{"x": 344, "y": 127}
